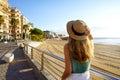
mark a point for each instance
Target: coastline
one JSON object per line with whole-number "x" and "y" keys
{"x": 109, "y": 41}
{"x": 106, "y": 58}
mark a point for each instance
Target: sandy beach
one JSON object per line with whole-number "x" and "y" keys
{"x": 107, "y": 57}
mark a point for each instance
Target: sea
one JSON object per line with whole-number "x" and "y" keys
{"x": 112, "y": 41}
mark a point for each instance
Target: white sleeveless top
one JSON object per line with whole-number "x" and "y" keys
{"x": 79, "y": 76}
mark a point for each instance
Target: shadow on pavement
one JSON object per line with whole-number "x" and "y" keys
{"x": 19, "y": 68}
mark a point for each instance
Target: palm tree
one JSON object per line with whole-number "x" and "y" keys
{"x": 25, "y": 28}
{"x": 2, "y": 20}
{"x": 14, "y": 22}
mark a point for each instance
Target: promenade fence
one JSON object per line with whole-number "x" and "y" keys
{"x": 52, "y": 66}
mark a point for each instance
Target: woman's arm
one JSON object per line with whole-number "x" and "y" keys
{"x": 67, "y": 70}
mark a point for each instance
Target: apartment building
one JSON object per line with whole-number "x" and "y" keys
{"x": 16, "y": 14}
{"x": 31, "y": 25}
{"x": 50, "y": 34}
{"x": 6, "y": 29}
{"x": 4, "y": 11}
{"x": 24, "y": 21}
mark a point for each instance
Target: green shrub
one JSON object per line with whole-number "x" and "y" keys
{"x": 37, "y": 37}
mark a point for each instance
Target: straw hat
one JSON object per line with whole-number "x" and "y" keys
{"x": 77, "y": 29}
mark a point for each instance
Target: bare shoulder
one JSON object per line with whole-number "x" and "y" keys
{"x": 66, "y": 51}
{"x": 66, "y": 45}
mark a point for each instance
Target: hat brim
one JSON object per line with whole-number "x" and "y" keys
{"x": 71, "y": 33}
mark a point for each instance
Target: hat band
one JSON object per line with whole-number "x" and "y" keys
{"x": 77, "y": 33}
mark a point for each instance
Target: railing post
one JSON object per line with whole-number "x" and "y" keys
{"x": 42, "y": 61}
{"x": 31, "y": 53}
{"x": 24, "y": 48}
{"x": 27, "y": 48}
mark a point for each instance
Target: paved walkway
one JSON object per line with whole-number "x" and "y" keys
{"x": 19, "y": 69}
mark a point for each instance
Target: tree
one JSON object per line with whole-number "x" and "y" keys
{"x": 14, "y": 22}
{"x": 36, "y": 34}
{"x": 36, "y": 31}
{"x": 2, "y": 20}
{"x": 25, "y": 28}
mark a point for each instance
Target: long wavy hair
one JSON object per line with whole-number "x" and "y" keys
{"x": 82, "y": 50}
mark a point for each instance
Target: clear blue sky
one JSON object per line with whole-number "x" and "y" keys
{"x": 102, "y": 16}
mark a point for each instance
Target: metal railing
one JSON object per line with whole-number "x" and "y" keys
{"x": 52, "y": 66}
